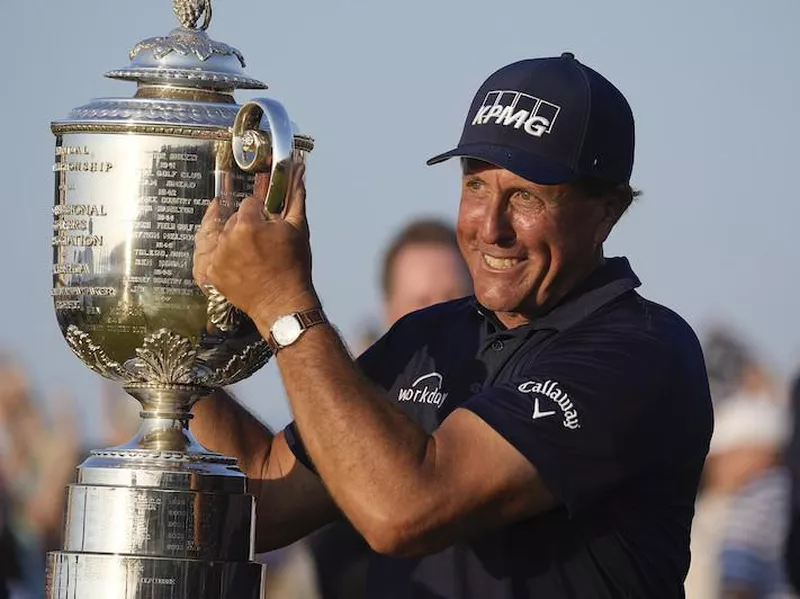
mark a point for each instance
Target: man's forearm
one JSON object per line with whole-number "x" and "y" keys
{"x": 370, "y": 455}
{"x": 221, "y": 424}
{"x": 291, "y": 501}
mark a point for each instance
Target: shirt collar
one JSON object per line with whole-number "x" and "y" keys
{"x": 614, "y": 278}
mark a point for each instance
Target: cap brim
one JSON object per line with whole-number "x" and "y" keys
{"x": 527, "y": 165}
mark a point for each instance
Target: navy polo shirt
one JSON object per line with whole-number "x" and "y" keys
{"x": 606, "y": 395}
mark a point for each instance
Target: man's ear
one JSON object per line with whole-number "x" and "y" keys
{"x": 610, "y": 213}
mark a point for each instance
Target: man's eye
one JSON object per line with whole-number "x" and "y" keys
{"x": 525, "y": 195}
{"x": 474, "y": 184}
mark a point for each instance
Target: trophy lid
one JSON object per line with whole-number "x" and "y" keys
{"x": 188, "y": 57}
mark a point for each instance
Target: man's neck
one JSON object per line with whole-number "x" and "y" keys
{"x": 571, "y": 282}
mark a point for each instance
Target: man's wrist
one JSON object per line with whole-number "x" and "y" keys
{"x": 266, "y": 315}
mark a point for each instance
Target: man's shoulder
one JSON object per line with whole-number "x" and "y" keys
{"x": 439, "y": 315}
{"x": 635, "y": 320}
{"x": 646, "y": 343}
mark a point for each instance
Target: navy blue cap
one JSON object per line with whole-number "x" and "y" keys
{"x": 550, "y": 120}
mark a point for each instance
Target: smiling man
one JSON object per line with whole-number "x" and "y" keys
{"x": 543, "y": 438}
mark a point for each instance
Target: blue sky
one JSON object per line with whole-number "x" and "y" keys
{"x": 714, "y": 86}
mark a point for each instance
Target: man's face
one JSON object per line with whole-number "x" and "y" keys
{"x": 526, "y": 245}
{"x": 424, "y": 274}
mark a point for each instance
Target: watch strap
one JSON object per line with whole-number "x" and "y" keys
{"x": 311, "y": 317}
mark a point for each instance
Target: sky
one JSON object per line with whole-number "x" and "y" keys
{"x": 382, "y": 86}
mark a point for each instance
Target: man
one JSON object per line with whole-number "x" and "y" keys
{"x": 542, "y": 439}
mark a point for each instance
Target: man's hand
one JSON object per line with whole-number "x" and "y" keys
{"x": 205, "y": 242}
{"x": 261, "y": 264}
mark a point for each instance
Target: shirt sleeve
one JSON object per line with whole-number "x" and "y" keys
{"x": 589, "y": 412}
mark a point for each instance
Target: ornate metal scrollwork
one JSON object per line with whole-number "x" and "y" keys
{"x": 94, "y": 356}
{"x": 222, "y": 314}
{"x": 167, "y": 359}
{"x": 189, "y": 39}
{"x": 240, "y": 366}
{"x": 185, "y": 43}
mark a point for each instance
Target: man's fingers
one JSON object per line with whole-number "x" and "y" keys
{"x": 231, "y": 223}
{"x": 212, "y": 220}
{"x": 296, "y": 202}
{"x": 251, "y": 210}
{"x": 261, "y": 185}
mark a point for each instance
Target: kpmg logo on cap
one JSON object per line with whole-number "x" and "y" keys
{"x": 511, "y": 108}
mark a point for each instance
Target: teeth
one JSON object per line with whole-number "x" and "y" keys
{"x": 500, "y": 263}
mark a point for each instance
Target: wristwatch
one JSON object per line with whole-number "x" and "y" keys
{"x": 287, "y": 329}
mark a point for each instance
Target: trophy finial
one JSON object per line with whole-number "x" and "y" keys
{"x": 184, "y": 57}
{"x": 189, "y": 12}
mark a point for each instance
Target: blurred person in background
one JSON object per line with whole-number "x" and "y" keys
{"x": 11, "y": 580}
{"x": 742, "y": 511}
{"x": 422, "y": 266}
{"x": 37, "y": 461}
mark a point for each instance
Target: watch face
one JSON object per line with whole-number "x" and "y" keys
{"x": 286, "y": 330}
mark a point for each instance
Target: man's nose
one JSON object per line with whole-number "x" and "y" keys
{"x": 497, "y": 228}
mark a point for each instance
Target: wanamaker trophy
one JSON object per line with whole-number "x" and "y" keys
{"x": 161, "y": 516}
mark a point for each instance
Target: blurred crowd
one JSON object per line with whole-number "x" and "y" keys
{"x": 41, "y": 443}
{"x": 745, "y": 537}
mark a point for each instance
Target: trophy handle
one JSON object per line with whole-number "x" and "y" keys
{"x": 257, "y": 151}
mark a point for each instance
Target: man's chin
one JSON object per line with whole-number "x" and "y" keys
{"x": 496, "y": 302}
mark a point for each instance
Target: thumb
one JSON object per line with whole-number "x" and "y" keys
{"x": 296, "y": 199}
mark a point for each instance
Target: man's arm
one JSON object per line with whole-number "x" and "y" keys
{"x": 290, "y": 500}
{"x": 406, "y": 492}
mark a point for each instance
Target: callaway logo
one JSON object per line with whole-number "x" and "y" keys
{"x": 550, "y": 389}
{"x": 510, "y": 108}
{"x": 537, "y": 413}
{"x": 426, "y": 389}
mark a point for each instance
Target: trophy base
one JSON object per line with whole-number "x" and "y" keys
{"x": 93, "y": 576}
{"x": 157, "y": 524}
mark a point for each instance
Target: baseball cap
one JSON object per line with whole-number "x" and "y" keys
{"x": 550, "y": 120}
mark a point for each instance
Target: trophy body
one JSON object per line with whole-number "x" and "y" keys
{"x": 160, "y": 516}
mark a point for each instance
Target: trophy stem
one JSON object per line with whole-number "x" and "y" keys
{"x": 165, "y": 419}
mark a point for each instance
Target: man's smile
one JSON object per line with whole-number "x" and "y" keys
{"x": 498, "y": 263}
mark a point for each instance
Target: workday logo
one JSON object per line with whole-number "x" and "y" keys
{"x": 426, "y": 389}
{"x": 551, "y": 390}
{"x": 518, "y": 110}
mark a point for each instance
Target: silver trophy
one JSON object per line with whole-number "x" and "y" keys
{"x": 161, "y": 516}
